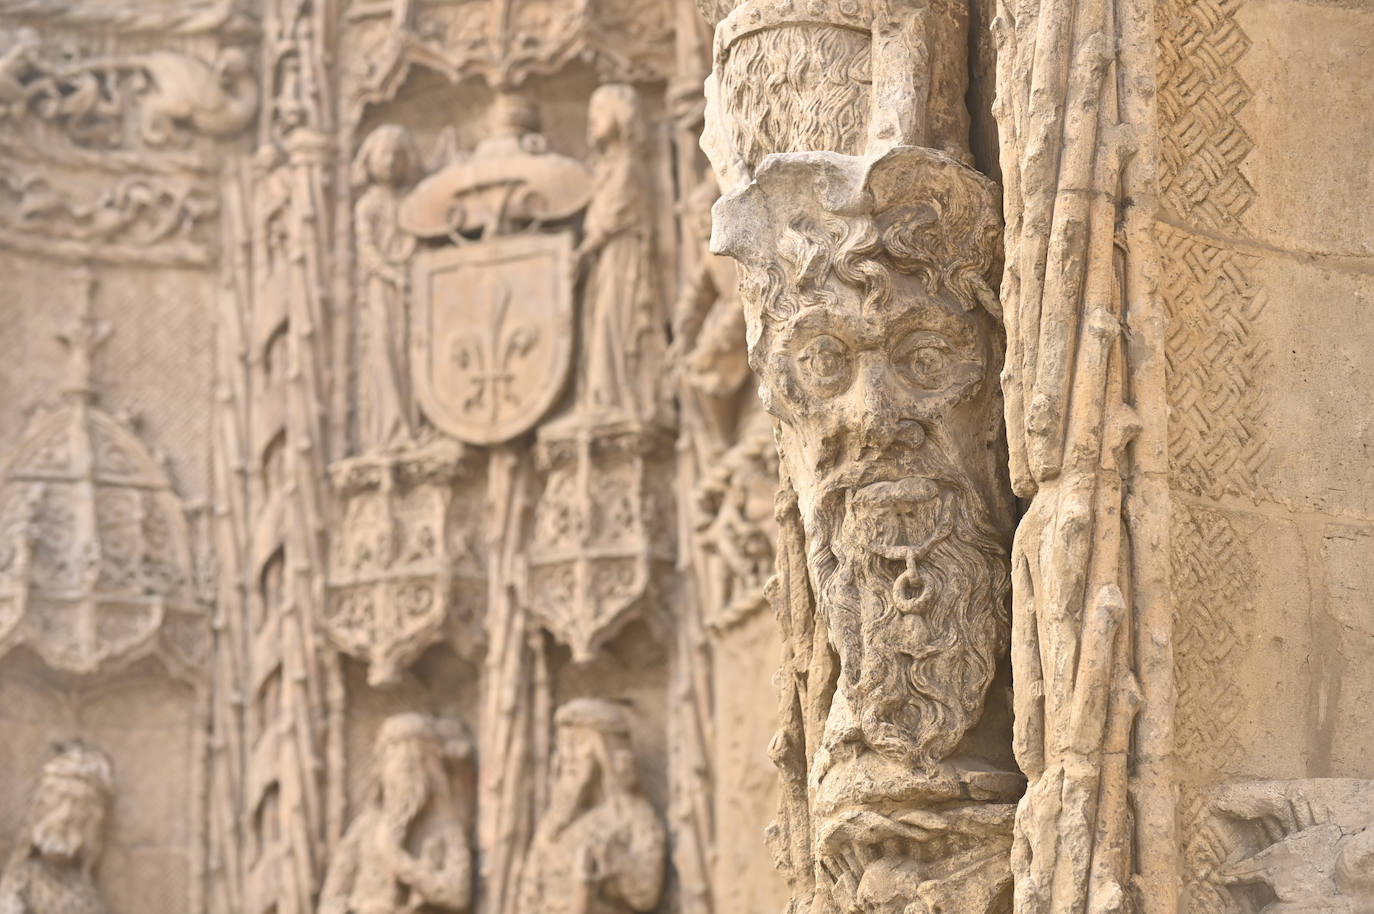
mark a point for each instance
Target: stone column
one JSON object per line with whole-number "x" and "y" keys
{"x": 1088, "y": 428}
{"x": 869, "y": 250}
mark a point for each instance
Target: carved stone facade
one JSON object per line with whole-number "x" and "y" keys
{"x": 686, "y": 457}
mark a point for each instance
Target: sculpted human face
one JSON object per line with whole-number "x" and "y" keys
{"x": 604, "y": 119}
{"x": 878, "y": 402}
{"x": 865, "y": 393}
{"x": 577, "y": 757}
{"x": 67, "y": 813}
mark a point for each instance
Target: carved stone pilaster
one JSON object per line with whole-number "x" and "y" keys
{"x": 874, "y": 329}
{"x": 869, "y": 250}
{"x": 1087, "y": 429}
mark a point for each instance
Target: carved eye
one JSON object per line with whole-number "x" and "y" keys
{"x": 825, "y": 365}
{"x": 923, "y": 360}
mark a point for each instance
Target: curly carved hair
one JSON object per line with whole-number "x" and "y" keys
{"x": 948, "y": 238}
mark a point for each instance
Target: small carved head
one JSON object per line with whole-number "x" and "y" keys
{"x": 388, "y": 156}
{"x": 594, "y": 754}
{"x": 69, "y": 807}
{"x": 614, "y": 117}
{"x": 409, "y": 764}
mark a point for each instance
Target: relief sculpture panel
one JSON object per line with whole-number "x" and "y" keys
{"x": 681, "y": 457}
{"x": 599, "y": 846}
{"x": 408, "y": 849}
{"x": 874, "y": 332}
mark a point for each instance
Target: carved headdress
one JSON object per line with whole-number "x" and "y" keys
{"x": 76, "y": 761}
{"x": 449, "y": 736}
{"x": 594, "y": 714}
{"x": 76, "y": 773}
{"x": 810, "y": 219}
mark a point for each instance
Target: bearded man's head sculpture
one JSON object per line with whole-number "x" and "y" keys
{"x": 874, "y": 329}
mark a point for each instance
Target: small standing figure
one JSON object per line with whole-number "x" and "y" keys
{"x": 407, "y": 851}
{"x": 599, "y": 848}
{"x": 387, "y": 165}
{"x": 51, "y": 869}
{"x": 625, "y": 329}
{"x": 708, "y": 319}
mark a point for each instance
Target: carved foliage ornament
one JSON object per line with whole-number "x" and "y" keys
{"x": 163, "y": 218}
{"x": 167, "y": 96}
{"x": 504, "y": 42}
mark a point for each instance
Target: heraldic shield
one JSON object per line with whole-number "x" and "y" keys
{"x": 492, "y": 334}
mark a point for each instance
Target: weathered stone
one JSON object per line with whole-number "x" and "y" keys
{"x": 430, "y": 480}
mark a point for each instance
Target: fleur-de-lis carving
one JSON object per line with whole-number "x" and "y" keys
{"x": 488, "y": 359}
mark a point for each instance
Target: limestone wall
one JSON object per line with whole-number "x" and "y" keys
{"x": 1266, "y": 248}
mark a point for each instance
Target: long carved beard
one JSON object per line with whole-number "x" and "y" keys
{"x": 912, "y": 578}
{"x": 404, "y": 799}
{"x": 59, "y": 837}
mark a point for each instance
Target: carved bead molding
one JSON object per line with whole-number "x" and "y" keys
{"x": 1087, "y": 432}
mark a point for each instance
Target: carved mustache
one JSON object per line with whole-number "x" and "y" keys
{"x": 902, "y": 456}
{"x": 902, "y": 521}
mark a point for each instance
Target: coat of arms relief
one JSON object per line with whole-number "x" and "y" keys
{"x": 509, "y": 489}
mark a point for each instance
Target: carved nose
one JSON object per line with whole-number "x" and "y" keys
{"x": 876, "y": 423}
{"x": 873, "y": 413}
